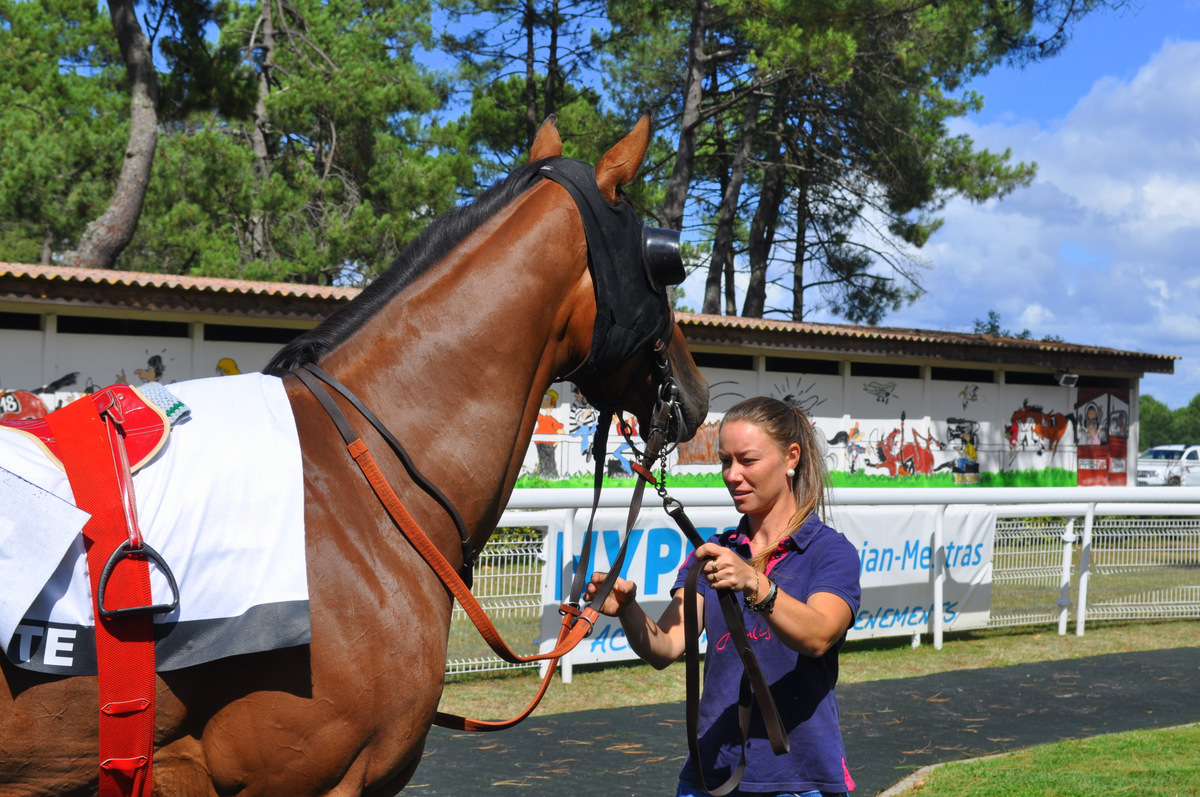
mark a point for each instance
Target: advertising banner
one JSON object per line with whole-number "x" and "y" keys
{"x": 895, "y": 554}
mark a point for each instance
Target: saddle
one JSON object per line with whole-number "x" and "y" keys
{"x": 144, "y": 425}
{"x": 99, "y": 440}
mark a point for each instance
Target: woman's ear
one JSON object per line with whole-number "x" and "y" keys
{"x": 793, "y": 456}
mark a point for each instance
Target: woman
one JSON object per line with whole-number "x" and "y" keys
{"x": 799, "y": 579}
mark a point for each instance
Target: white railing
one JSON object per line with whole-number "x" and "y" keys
{"x": 1121, "y": 567}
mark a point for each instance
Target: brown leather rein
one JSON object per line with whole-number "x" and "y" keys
{"x": 572, "y": 631}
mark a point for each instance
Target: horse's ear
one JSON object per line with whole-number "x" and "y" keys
{"x": 546, "y": 144}
{"x": 620, "y": 164}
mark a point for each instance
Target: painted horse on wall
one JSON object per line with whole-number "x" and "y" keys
{"x": 453, "y": 349}
{"x": 1048, "y": 428}
{"x": 899, "y": 458}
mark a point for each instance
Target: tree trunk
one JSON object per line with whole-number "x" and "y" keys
{"x": 722, "y": 255}
{"x": 766, "y": 217}
{"x": 47, "y": 247}
{"x": 689, "y": 122}
{"x": 531, "y": 111}
{"x": 106, "y": 237}
{"x": 553, "y": 68}
{"x": 801, "y": 251}
{"x": 259, "y": 238}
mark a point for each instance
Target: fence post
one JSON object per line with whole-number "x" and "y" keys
{"x": 566, "y": 667}
{"x": 939, "y": 575}
{"x": 1064, "y": 593}
{"x": 1085, "y": 566}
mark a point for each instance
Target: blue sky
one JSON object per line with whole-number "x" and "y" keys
{"x": 1104, "y": 247}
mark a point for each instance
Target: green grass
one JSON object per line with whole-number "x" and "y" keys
{"x": 1048, "y": 477}
{"x": 1159, "y": 763}
{"x": 585, "y": 480}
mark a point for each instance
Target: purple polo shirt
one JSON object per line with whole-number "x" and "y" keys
{"x": 816, "y": 558}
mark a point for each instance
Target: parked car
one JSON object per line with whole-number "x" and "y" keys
{"x": 1190, "y": 473}
{"x": 1168, "y": 465}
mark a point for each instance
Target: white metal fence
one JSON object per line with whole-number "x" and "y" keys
{"x": 1109, "y": 553}
{"x": 508, "y": 583}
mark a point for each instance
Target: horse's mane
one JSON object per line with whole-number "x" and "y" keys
{"x": 430, "y": 246}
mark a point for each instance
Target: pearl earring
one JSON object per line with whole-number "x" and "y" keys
{"x": 791, "y": 472}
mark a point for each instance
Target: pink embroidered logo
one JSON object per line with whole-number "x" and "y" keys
{"x": 760, "y": 631}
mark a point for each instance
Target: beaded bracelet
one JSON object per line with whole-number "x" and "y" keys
{"x": 767, "y": 604}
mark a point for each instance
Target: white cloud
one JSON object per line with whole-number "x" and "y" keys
{"x": 1101, "y": 249}
{"x": 1036, "y": 316}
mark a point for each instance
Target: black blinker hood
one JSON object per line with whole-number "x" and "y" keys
{"x": 630, "y": 310}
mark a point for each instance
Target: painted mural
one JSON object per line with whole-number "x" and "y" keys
{"x": 19, "y": 404}
{"x": 874, "y": 430}
{"x": 1102, "y": 435}
{"x": 892, "y": 432}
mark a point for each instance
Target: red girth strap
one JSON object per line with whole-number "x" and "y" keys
{"x": 93, "y": 455}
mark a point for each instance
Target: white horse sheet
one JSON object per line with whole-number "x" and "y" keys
{"x": 222, "y": 502}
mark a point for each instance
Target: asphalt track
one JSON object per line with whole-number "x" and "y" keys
{"x": 891, "y": 728}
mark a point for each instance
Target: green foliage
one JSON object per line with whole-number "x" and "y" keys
{"x": 63, "y": 124}
{"x": 1156, "y": 422}
{"x": 992, "y": 327}
{"x": 849, "y": 102}
{"x": 351, "y": 167}
{"x": 1160, "y": 425}
{"x": 310, "y": 141}
{"x": 1045, "y": 477}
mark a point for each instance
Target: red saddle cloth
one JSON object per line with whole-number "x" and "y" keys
{"x": 143, "y": 425}
{"x": 99, "y": 440}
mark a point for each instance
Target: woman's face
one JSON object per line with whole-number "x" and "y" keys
{"x": 753, "y": 467}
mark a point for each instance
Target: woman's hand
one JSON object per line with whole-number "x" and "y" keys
{"x": 724, "y": 569}
{"x": 621, "y": 597}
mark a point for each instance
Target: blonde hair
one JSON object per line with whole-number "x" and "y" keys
{"x": 785, "y": 425}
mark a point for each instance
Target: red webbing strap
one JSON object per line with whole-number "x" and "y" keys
{"x": 124, "y": 645}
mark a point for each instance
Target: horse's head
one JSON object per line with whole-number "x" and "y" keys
{"x": 634, "y": 353}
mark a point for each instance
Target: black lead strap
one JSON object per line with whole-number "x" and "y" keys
{"x": 583, "y": 571}
{"x": 753, "y": 684}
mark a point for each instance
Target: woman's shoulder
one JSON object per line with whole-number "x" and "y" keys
{"x": 818, "y": 536}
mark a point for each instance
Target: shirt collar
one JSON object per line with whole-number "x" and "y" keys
{"x": 798, "y": 540}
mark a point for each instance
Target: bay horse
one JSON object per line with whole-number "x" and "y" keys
{"x": 453, "y": 348}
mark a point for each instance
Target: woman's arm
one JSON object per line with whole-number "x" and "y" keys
{"x": 657, "y": 643}
{"x": 811, "y": 627}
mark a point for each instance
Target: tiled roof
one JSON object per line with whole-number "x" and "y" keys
{"x": 308, "y": 304}
{"x": 166, "y": 293}
{"x": 893, "y": 335}
{"x": 142, "y": 279}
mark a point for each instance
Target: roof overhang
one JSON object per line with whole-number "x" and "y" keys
{"x": 291, "y": 304}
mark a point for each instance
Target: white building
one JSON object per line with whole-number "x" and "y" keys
{"x": 921, "y": 406}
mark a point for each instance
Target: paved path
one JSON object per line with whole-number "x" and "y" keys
{"x": 891, "y": 728}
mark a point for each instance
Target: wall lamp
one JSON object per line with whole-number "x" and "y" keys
{"x": 1065, "y": 378}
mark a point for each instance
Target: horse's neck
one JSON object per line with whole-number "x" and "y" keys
{"x": 457, "y": 365}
